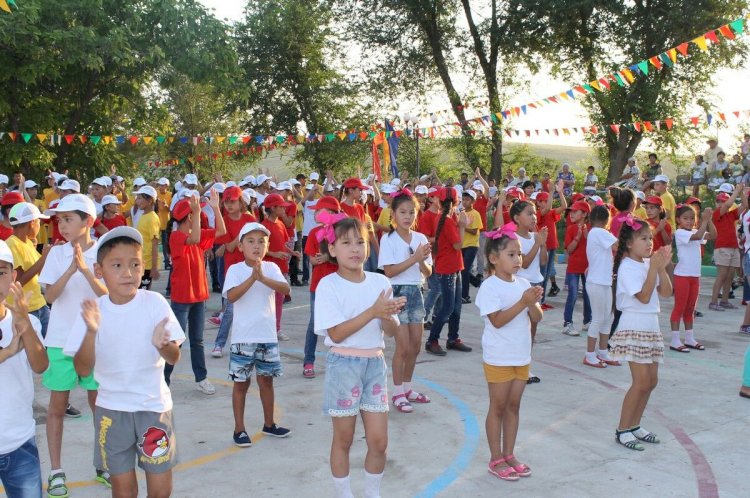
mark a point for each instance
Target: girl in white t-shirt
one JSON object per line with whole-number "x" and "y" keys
{"x": 641, "y": 278}
{"x": 509, "y": 306}
{"x": 406, "y": 258}
{"x": 687, "y": 273}
{"x": 534, "y": 250}
{"x": 353, "y": 309}
{"x": 599, "y": 246}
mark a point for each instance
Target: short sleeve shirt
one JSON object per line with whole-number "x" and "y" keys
{"x": 255, "y": 312}
{"x": 726, "y": 229}
{"x": 189, "y": 282}
{"x": 577, "y": 260}
{"x": 25, "y": 256}
{"x": 394, "y": 250}
{"x": 475, "y": 222}
{"x": 312, "y": 247}
{"x": 277, "y": 243}
{"x": 150, "y": 229}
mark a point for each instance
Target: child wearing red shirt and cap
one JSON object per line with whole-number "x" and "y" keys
{"x": 548, "y": 217}
{"x": 575, "y": 245}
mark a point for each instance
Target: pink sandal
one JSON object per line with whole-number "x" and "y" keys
{"x": 504, "y": 474}
{"x": 521, "y": 469}
{"x": 420, "y": 398}
{"x": 401, "y": 402}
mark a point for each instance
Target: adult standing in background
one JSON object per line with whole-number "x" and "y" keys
{"x": 568, "y": 179}
{"x": 712, "y": 153}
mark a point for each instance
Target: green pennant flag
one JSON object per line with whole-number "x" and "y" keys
{"x": 330, "y": 137}
{"x": 643, "y": 66}
{"x": 26, "y": 137}
{"x": 160, "y": 139}
{"x": 280, "y": 138}
{"x": 494, "y": 118}
{"x": 738, "y": 26}
{"x": 618, "y": 78}
{"x": 232, "y": 140}
{"x": 372, "y": 134}
{"x": 665, "y": 58}
{"x": 95, "y": 139}
{"x": 588, "y": 88}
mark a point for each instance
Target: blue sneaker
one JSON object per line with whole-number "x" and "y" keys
{"x": 276, "y": 431}
{"x": 242, "y": 440}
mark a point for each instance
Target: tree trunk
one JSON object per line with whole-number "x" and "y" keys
{"x": 620, "y": 150}
{"x": 496, "y": 166}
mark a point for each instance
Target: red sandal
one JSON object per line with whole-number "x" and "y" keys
{"x": 419, "y": 398}
{"x": 521, "y": 469}
{"x": 401, "y": 402}
{"x": 505, "y": 474}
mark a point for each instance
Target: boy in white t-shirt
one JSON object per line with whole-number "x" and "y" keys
{"x": 251, "y": 287}
{"x": 128, "y": 336}
{"x": 68, "y": 279}
{"x": 21, "y": 353}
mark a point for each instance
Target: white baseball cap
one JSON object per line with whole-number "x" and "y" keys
{"x": 251, "y": 227}
{"x": 129, "y": 232}
{"x": 23, "y": 212}
{"x": 524, "y": 169}
{"x": 249, "y": 180}
{"x": 6, "y": 254}
{"x": 260, "y": 179}
{"x": 470, "y": 193}
{"x": 640, "y": 194}
{"x": 69, "y": 184}
{"x": 190, "y": 179}
{"x": 230, "y": 183}
{"x": 30, "y": 184}
{"x": 388, "y": 188}
{"x": 309, "y": 186}
{"x": 100, "y": 181}
{"x": 147, "y": 190}
{"x": 110, "y": 199}
{"x": 396, "y": 182}
{"x": 284, "y": 186}
{"x": 293, "y": 181}
{"x": 75, "y": 202}
{"x": 54, "y": 175}
{"x": 314, "y": 176}
{"x": 4, "y": 179}
{"x": 421, "y": 189}
{"x": 178, "y": 186}
{"x": 661, "y": 178}
{"x": 248, "y": 195}
{"x": 107, "y": 181}
{"x": 219, "y": 187}
{"x": 493, "y": 191}
{"x": 727, "y": 188}
{"x": 272, "y": 185}
{"x": 163, "y": 181}
{"x": 139, "y": 182}
{"x": 478, "y": 186}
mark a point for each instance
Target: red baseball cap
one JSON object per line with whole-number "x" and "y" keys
{"x": 655, "y": 200}
{"x": 327, "y": 202}
{"x": 274, "y": 200}
{"x": 722, "y": 197}
{"x": 581, "y": 206}
{"x": 354, "y": 183}
{"x": 516, "y": 192}
{"x": 11, "y": 198}
{"x": 232, "y": 193}
{"x": 693, "y": 200}
{"x": 181, "y": 209}
{"x": 577, "y": 197}
{"x": 447, "y": 192}
{"x": 542, "y": 196}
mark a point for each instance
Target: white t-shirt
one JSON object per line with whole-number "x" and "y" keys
{"x": 210, "y": 216}
{"x": 395, "y": 250}
{"x": 135, "y": 215}
{"x": 746, "y": 229}
{"x": 338, "y": 300}
{"x": 308, "y": 218}
{"x": 509, "y": 345}
{"x": 599, "y": 253}
{"x": 699, "y": 170}
{"x": 635, "y": 315}
{"x": 688, "y": 253}
{"x": 67, "y": 306}
{"x": 17, "y": 393}
{"x": 533, "y": 273}
{"x": 128, "y": 368}
{"x": 255, "y": 312}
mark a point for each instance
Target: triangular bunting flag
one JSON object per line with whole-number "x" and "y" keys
{"x": 736, "y": 114}
{"x": 171, "y": 139}
{"x": 683, "y": 48}
{"x": 656, "y": 62}
{"x": 26, "y": 137}
{"x": 41, "y": 137}
{"x": 595, "y": 84}
{"x": 709, "y": 118}
{"x": 636, "y": 69}
{"x": 184, "y": 140}
{"x": 694, "y": 120}
{"x": 618, "y": 79}
{"x": 160, "y": 139}
{"x": 82, "y": 138}
{"x": 722, "y": 116}
{"x": 69, "y": 138}
{"x": 147, "y": 140}
{"x": 232, "y": 140}
{"x": 615, "y": 128}
{"x": 4, "y": 6}
{"x": 672, "y": 53}
{"x": 711, "y": 35}
{"x": 133, "y": 139}
{"x": 648, "y": 125}
{"x": 669, "y": 122}
{"x": 594, "y": 129}
{"x": 628, "y": 75}
{"x": 604, "y": 83}
{"x": 580, "y": 89}
{"x": 665, "y": 58}
{"x": 738, "y": 26}
{"x": 95, "y": 139}
{"x": 107, "y": 139}
{"x": 637, "y": 126}
{"x": 701, "y": 42}
{"x": 727, "y": 32}
{"x": 658, "y": 125}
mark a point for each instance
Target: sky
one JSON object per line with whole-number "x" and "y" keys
{"x": 730, "y": 88}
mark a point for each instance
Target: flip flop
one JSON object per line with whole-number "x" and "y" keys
{"x": 681, "y": 349}
{"x": 533, "y": 380}
{"x": 697, "y": 345}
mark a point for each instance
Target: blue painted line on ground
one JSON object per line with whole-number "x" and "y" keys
{"x": 471, "y": 435}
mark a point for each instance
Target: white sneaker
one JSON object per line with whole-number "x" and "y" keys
{"x": 206, "y": 387}
{"x": 586, "y": 326}
{"x": 216, "y": 352}
{"x": 282, "y": 336}
{"x": 569, "y": 329}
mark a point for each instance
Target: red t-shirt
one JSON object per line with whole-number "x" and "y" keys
{"x": 117, "y": 220}
{"x": 189, "y": 283}
{"x": 291, "y": 211}
{"x": 277, "y": 243}
{"x": 447, "y": 259}
{"x": 5, "y": 232}
{"x": 577, "y": 260}
{"x": 726, "y": 229}
{"x": 233, "y": 228}
{"x": 312, "y": 247}
{"x": 354, "y": 211}
{"x": 428, "y": 223}
{"x": 659, "y": 242}
{"x": 550, "y": 220}
{"x": 481, "y": 205}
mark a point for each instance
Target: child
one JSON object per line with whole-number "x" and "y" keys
{"x": 641, "y": 278}
{"x": 150, "y": 227}
{"x": 591, "y": 179}
{"x": 353, "y": 310}
{"x": 533, "y": 246}
{"x": 657, "y": 218}
{"x": 111, "y": 213}
{"x": 128, "y": 336}
{"x": 599, "y": 246}
{"x": 327, "y": 211}
{"x": 24, "y": 218}
{"x": 726, "y": 248}
{"x": 279, "y": 251}
{"x": 163, "y": 201}
{"x": 575, "y": 244}
{"x": 406, "y": 259}
{"x": 687, "y": 273}
{"x": 68, "y": 279}
{"x": 188, "y": 246}
{"x": 548, "y": 217}
{"x": 252, "y": 284}
{"x": 470, "y": 243}
{"x": 448, "y": 265}
{"x": 509, "y": 304}
{"x": 661, "y": 185}
{"x": 21, "y": 355}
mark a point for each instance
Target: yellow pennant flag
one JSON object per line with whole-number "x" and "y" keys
{"x": 107, "y": 139}
{"x": 4, "y": 6}
{"x": 701, "y": 42}
{"x": 595, "y": 84}
{"x": 147, "y": 140}
{"x": 220, "y": 139}
{"x": 170, "y": 139}
{"x": 40, "y": 136}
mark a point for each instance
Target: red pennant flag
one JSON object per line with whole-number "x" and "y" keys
{"x": 683, "y": 48}
{"x": 363, "y": 135}
{"x": 245, "y": 139}
{"x": 694, "y": 120}
{"x": 214, "y": 156}
{"x": 656, "y": 62}
{"x": 584, "y": 129}
{"x": 736, "y": 114}
{"x": 528, "y": 133}
{"x": 82, "y": 138}
{"x": 68, "y": 138}
{"x": 507, "y": 132}
{"x": 722, "y": 116}
{"x": 199, "y": 158}
{"x": 637, "y": 126}
{"x": 594, "y": 129}
{"x": 556, "y": 132}
{"x": 727, "y": 32}
{"x": 553, "y": 99}
{"x": 648, "y": 125}
{"x": 604, "y": 83}
{"x": 615, "y": 128}
{"x": 711, "y": 35}
{"x": 13, "y": 135}
{"x": 158, "y": 163}
{"x": 133, "y": 139}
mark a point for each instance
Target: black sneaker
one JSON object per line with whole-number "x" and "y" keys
{"x": 72, "y": 412}
{"x": 276, "y": 431}
{"x": 433, "y": 347}
{"x": 242, "y": 440}
{"x": 305, "y": 283}
{"x": 295, "y": 283}
{"x": 458, "y": 345}
{"x": 428, "y": 324}
{"x": 466, "y": 300}
{"x": 554, "y": 290}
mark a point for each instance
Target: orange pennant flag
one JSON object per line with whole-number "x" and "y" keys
{"x": 147, "y": 140}
{"x": 628, "y": 75}
{"x": 683, "y": 48}
{"x": 656, "y": 62}
{"x": 727, "y": 32}
{"x": 41, "y": 137}
{"x": 107, "y": 139}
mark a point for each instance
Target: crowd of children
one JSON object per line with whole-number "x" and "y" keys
{"x": 380, "y": 259}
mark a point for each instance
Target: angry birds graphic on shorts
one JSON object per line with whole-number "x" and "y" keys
{"x": 154, "y": 442}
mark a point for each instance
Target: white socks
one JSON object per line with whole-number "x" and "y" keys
{"x": 372, "y": 485}
{"x": 591, "y": 358}
{"x": 343, "y": 487}
{"x": 676, "y": 342}
{"x": 407, "y": 387}
{"x": 604, "y": 354}
{"x": 398, "y": 389}
{"x": 689, "y": 339}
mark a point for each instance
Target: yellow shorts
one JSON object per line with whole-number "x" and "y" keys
{"x": 497, "y": 375}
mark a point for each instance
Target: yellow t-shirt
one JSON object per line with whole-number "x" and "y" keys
{"x": 166, "y": 198}
{"x": 42, "y": 237}
{"x": 124, "y": 208}
{"x": 300, "y": 221}
{"x": 25, "y": 256}
{"x": 50, "y": 195}
{"x": 475, "y": 221}
{"x": 150, "y": 229}
{"x": 640, "y": 213}
{"x": 384, "y": 219}
{"x": 668, "y": 203}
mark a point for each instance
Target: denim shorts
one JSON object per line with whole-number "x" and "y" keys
{"x": 414, "y": 311}
{"x": 20, "y": 472}
{"x": 354, "y": 384}
{"x": 746, "y": 264}
{"x": 262, "y": 356}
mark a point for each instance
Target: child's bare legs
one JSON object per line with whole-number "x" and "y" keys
{"x": 722, "y": 283}
{"x": 239, "y": 394}
{"x": 493, "y": 424}
{"x": 265, "y": 385}
{"x": 401, "y": 355}
{"x": 376, "y": 435}
{"x": 645, "y": 378}
{"x": 510, "y": 419}
{"x": 343, "y": 435}
{"x": 746, "y": 320}
{"x": 125, "y": 485}
{"x": 159, "y": 485}
{"x": 416, "y": 330}
{"x": 58, "y": 402}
